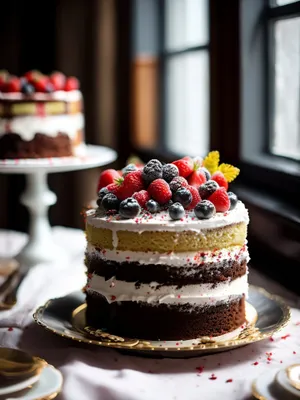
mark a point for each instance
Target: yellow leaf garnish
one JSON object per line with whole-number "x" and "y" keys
{"x": 229, "y": 172}
{"x": 211, "y": 161}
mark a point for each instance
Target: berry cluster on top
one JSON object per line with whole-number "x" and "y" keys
{"x": 34, "y": 81}
{"x": 187, "y": 184}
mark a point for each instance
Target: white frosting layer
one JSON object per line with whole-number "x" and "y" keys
{"x": 73, "y": 95}
{"x": 172, "y": 259}
{"x": 200, "y": 294}
{"x": 50, "y": 125}
{"x": 162, "y": 221}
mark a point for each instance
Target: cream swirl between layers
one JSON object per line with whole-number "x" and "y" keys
{"x": 201, "y": 294}
{"x": 27, "y": 126}
{"x": 162, "y": 221}
{"x": 61, "y": 95}
{"x": 172, "y": 259}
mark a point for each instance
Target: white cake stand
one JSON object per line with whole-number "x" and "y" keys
{"x": 37, "y": 197}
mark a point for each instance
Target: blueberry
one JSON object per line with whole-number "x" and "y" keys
{"x": 129, "y": 168}
{"x": 204, "y": 209}
{"x": 152, "y": 206}
{"x": 207, "y": 189}
{"x": 27, "y": 88}
{"x": 170, "y": 171}
{"x": 129, "y": 208}
{"x": 183, "y": 196}
{"x": 206, "y": 172}
{"x": 102, "y": 192}
{"x": 176, "y": 211}
{"x": 110, "y": 202}
{"x": 152, "y": 170}
{"x": 233, "y": 200}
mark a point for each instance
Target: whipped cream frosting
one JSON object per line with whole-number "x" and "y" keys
{"x": 28, "y": 126}
{"x": 162, "y": 221}
{"x": 72, "y": 95}
{"x": 174, "y": 259}
{"x": 201, "y": 294}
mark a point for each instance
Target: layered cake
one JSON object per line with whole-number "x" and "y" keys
{"x": 40, "y": 116}
{"x": 166, "y": 251}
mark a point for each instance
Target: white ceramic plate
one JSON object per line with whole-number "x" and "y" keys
{"x": 283, "y": 381}
{"x": 15, "y": 387}
{"x": 48, "y": 386}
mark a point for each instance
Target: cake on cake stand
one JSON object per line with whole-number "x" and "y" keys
{"x": 38, "y": 198}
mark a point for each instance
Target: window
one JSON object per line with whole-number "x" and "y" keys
{"x": 175, "y": 35}
{"x": 283, "y": 19}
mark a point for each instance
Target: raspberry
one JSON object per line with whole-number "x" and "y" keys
{"x": 129, "y": 208}
{"x": 72, "y": 83}
{"x": 132, "y": 183}
{"x": 106, "y": 177}
{"x": 220, "y": 179}
{"x": 178, "y": 183}
{"x": 220, "y": 200}
{"x": 58, "y": 80}
{"x": 170, "y": 171}
{"x": 185, "y": 166}
{"x": 141, "y": 197}
{"x": 195, "y": 198}
{"x": 197, "y": 178}
{"x": 183, "y": 196}
{"x": 207, "y": 189}
{"x": 160, "y": 191}
{"x": 152, "y": 170}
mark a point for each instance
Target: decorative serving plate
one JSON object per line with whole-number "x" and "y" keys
{"x": 265, "y": 313}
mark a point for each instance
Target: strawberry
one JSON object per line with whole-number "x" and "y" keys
{"x": 220, "y": 200}
{"x": 185, "y": 166}
{"x": 160, "y": 191}
{"x": 141, "y": 197}
{"x": 113, "y": 188}
{"x": 58, "y": 80}
{"x": 195, "y": 197}
{"x": 32, "y": 75}
{"x": 3, "y": 78}
{"x": 197, "y": 178}
{"x": 13, "y": 85}
{"x": 42, "y": 84}
{"x": 132, "y": 183}
{"x": 72, "y": 83}
{"x": 219, "y": 177}
{"x": 106, "y": 177}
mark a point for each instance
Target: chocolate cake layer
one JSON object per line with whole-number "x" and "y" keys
{"x": 162, "y": 321}
{"x": 165, "y": 274}
{"x": 41, "y": 146}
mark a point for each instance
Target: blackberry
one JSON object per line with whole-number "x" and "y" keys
{"x": 178, "y": 183}
{"x": 152, "y": 206}
{"x": 176, "y": 211}
{"x": 152, "y": 170}
{"x": 110, "y": 202}
{"x": 207, "y": 189}
{"x": 129, "y": 208}
{"x": 183, "y": 196}
{"x": 170, "y": 171}
{"x": 204, "y": 209}
{"x": 233, "y": 200}
{"x": 129, "y": 168}
{"x": 167, "y": 205}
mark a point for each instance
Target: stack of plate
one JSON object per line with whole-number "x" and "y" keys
{"x": 278, "y": 385}
{"x": 23, "y": 376}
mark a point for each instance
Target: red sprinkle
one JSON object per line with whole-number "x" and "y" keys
{"x": 10, "y": 329}
{"x": 269, "y": 359}
{"x": 113, "y": 298}
{"x": 179, "y": 296}
{"x": 229, "y": 380}
{"x": 200, "y": 369}
{"x": 297, "y": 323}
{"x": 294, "y": 352}
{"x": 280, "y": 362}
{"x": 212, "y": 377}
{"x": 286, "y": 336}
{"x": 256, "y": 363}
{"x": 271, "y": 339}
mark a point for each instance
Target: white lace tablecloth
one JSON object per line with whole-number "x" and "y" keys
{"x": 103, "y": 374}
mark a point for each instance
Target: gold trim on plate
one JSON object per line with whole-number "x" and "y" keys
{"x": 255, "y": 392}
{"x": 295, "y": 384}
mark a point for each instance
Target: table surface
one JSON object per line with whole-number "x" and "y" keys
{"x": 105, "y": 374}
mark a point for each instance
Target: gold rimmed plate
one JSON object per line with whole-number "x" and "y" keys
{"x": 65, "y": 317}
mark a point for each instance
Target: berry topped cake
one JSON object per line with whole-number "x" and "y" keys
{"x": 40, "y": 116}
{"x": 166, "y": 251}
